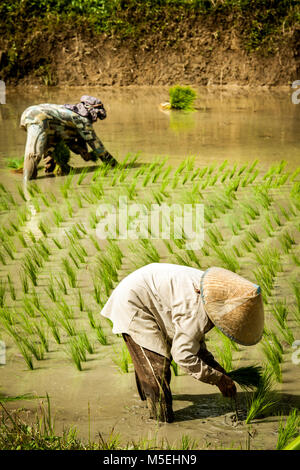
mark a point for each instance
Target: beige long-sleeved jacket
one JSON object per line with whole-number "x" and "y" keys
{"x": 159, "y": 307}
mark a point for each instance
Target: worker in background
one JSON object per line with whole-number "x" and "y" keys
{"x": 53, "y": 130}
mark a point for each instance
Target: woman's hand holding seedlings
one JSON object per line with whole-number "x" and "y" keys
{"x": 227, "y": 386}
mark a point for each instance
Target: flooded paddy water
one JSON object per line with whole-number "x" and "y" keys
{"x": 237, "y": 154}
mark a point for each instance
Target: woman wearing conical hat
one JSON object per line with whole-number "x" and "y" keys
{"x": 165, "y": 310}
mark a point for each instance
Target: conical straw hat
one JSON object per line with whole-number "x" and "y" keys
{"x": 233, "y": 304}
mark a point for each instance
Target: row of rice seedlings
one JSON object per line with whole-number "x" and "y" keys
{"x": 289, "y": 430}
{"x": 263, "y": 399}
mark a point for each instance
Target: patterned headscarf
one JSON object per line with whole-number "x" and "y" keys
{"x": 89, "y": 107}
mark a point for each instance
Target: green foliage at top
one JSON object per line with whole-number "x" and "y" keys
{"x": 182, "y": 97}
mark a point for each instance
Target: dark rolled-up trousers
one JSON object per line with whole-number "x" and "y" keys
{"x": 153, "y": 376}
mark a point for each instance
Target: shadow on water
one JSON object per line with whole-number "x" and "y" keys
{"x": 215, "y": 405}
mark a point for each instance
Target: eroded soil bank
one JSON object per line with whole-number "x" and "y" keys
{"x": 257, "y": 47}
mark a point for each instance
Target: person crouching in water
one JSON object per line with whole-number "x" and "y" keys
{"x": 53, "y": 130}
{"x": 164, "y": 311}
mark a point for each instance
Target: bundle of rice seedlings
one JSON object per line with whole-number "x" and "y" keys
{"x": 288, "y": 431}
{"x": 182, "y": 97}
{"x": 263, "y": 399}
{"x": 247, "y": 377}
{"x": 95, "y": 242}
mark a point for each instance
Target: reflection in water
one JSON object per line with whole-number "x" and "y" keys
{"x": 236, "y": 125}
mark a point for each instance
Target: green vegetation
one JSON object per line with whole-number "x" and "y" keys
{"x": 261, "y": 24}
{"x": 182, "y": 97}
{"x": 56, "y": 278}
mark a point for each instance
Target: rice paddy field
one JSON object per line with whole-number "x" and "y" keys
{"x": 56, "y": 274}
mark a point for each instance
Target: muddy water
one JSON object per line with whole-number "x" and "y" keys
{"x": 233, "y": 124}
